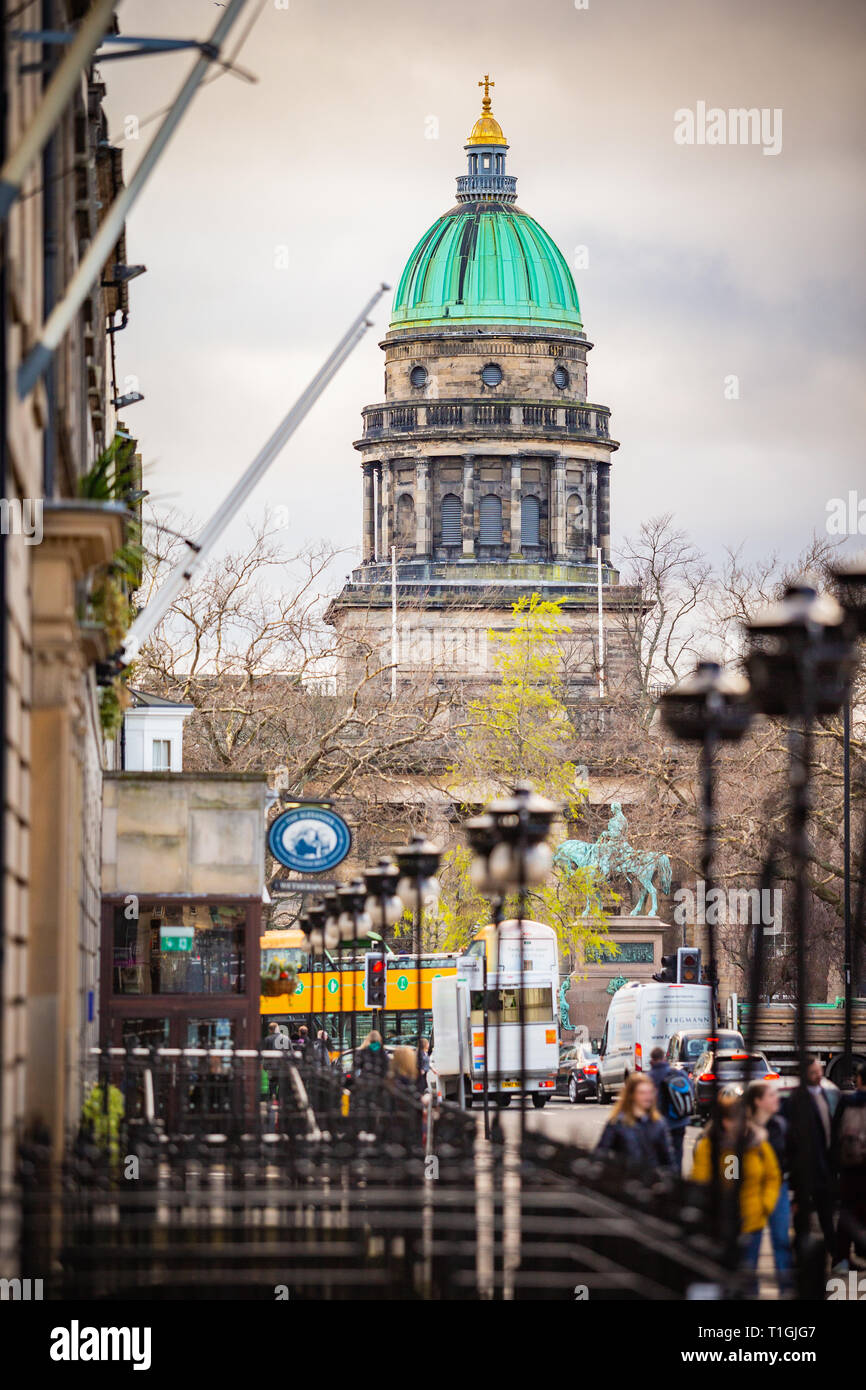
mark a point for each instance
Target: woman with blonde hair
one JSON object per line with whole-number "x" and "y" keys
{"x": 636, "y": 1132}
{"x": 760, "y": 1177}
{"x": 404, "y": 1067}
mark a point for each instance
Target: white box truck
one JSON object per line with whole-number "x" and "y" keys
{"x": 518, "y": 1001}
{"x": 642, "y": 1017}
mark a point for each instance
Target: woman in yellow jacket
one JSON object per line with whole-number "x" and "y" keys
{"x": 760, "y": 1180}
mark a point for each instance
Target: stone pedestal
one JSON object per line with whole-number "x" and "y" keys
{"x": 640, "y": 940}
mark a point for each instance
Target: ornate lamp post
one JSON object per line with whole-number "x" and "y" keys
{"x": 520, "y": 858}
{"x": 800, "y": 659}
{"x": 353, "y": 922}
{"x": 417, "y": 887}
{"x": 385, "y": 910}
{"x": 482, "y": 838}
{"x": 709, "y": 707}
{"x": 850, "y": 582}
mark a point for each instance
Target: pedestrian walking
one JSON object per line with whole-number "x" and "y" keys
{"x": 676, "y": 1101}
{"x": 760, "y": 1178}
{"x": 763, "y": 1108}
{"x": 322, "y": 1049}
{"x": 848, "y": 1161}
{"x": 636, "y": 1133}
{"x": 403, "y": 1069}
{"x": 810, "y": 1117}
{"x": 371, "y": 1059}
{"x": 276, "y": 1041}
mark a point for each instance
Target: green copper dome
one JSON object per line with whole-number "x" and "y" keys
{"x": 486, "y": 262}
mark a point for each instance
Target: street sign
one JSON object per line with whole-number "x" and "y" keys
{"x": 309, "y": 839}
{"x": 278, "y": 886}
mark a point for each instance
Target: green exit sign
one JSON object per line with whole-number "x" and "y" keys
{"x": 175, "y": 938}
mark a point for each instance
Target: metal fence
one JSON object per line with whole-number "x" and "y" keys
{"x": 241, "y": 1175}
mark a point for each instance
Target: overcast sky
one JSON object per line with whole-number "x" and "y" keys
{"x": 705, "y": 261}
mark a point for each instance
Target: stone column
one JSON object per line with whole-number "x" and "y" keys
{"x": 603, "y": 507}
{"x": 387, "y": 529}
{"x": 469, "y": 507}
{"x": 423, "y": 529}
{"x": 369, "y": 550}
{"x": 557, "y": 509}
{"x": 516, "y": 485}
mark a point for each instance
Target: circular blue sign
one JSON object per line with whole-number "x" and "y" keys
{"x": 309, "y": 839}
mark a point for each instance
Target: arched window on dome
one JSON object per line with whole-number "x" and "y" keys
{"x": 530, "y": 521}
{"x": 452, "y": 514}
{"x": 574, "y": 522}
{"x": 490, "y": 532}
{"x": 405, "y": 520}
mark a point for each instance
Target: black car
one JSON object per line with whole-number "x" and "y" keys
{"x": 686, "y": 1047}
{"x": 577, "y": 1076}
{"x": 728, "y": 1072}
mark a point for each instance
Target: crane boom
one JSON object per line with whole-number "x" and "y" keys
{"x": 152, "y": 615}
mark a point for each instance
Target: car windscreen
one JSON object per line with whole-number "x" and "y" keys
{"x": 504, "y": 1005}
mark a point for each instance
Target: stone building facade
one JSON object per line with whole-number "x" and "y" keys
{"x": 54, "y": 544}
{"x": 486, "y": 468}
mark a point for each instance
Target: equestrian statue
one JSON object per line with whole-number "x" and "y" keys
{"x": 611, "y": 854}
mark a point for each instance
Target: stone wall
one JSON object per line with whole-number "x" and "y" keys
{"x": 184, "y": 833}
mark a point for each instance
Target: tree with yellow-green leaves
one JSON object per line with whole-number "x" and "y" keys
{"x": 519, "y": 730}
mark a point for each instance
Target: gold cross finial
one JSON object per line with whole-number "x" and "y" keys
{"x": 486, "y": 84}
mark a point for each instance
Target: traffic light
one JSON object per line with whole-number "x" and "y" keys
{"x": 668, "y": 973}
{"x": 374, "y": 980}
{"x": 689, "y": 965}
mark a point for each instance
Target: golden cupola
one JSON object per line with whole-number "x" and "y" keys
{"x": 486, "y": 130}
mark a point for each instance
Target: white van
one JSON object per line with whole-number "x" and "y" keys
{"x": 641, "y": 1018}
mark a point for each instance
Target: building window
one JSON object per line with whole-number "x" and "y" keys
{"x": 574, "y": 521}
{"x": 561, "y": 377}
{"x": 161, "y": 758}
{"x": 179, "y": 948}
{"x": 491, "y": 520}
{"x": 405, "y": 519}
{"x": 530, "y": 521}
{"x": 418, "y": 376}
{"x": 452, "y": 510}
{"x": 491, "y": 375}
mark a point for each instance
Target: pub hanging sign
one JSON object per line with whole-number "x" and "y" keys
{"x": 309, "y": 839}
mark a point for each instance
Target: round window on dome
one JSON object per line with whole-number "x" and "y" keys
{"x": 491, "y": 375}
{"x": 418, "y": 376}
{"x": 561, "y": 377}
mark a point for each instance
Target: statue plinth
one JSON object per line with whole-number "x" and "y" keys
{"x": 641, "y": 943}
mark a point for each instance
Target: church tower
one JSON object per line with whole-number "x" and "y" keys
{"x": 486, "y": 469}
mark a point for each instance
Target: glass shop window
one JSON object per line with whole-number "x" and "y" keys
{"x": 181, "y": 948}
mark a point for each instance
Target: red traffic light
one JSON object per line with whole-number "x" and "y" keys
{"x": 377, "y": 966}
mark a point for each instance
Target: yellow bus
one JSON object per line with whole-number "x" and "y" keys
{"x": 327, "y": 995}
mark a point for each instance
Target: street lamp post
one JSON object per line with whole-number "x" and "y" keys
{"x": 850, "y": 580}
{"x": 709, "y": 707}
{"x": 418, "y": 864}
{"x": 520, "y": 859}
{"x": 801, "y": 659}
{"x": 482, "y": 837}
{"x": 385, "y": 910}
